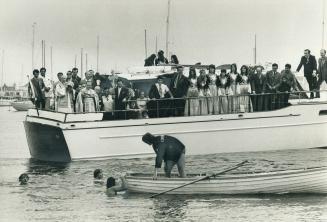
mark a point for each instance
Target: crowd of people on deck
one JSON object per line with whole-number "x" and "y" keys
{"x": 203, "y": 92}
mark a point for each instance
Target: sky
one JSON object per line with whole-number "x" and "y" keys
{"x": 206, "y": 31}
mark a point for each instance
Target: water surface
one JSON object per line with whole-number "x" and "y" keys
{"x": 67, "y": 192}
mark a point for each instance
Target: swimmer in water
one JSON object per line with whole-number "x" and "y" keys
{"x": 113, "y": 188}
{"x": 23, "y": 179}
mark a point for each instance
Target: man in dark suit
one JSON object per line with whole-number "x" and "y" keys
{"x": 178, "y": 87}
{"x": 35, "y": 90}
{"x": 159, "y": 105}
{"x": 273, "y": 80}
{"x": 121, "y": 96}
{"x": 310, "y": 68}
{"x": 322, "y": 69}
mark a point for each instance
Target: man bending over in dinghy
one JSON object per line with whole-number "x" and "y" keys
{"x": 169, "y": 149}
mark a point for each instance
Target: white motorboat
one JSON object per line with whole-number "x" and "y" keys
{"x": 54, "y": 136}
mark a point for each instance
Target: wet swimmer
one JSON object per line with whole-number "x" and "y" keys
{"x": 98, "y": 174}
{"x": 23, "y": 179}
{"x": 114, "y": 187}
{"x": 169, "y": 149}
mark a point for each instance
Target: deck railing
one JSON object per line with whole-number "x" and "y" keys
{"x": 207, "y": 105}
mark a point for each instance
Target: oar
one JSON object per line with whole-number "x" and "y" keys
{"x": 200, "y": 179}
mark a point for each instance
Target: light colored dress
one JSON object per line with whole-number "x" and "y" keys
{"x": 192, "y": 105}
{"x": 213, "y": 102}
{"x": 223, "y": 92}
{"x": 245, "y": 104}
{"x": 234, "y": 92}
{"x": 204, "y": 93}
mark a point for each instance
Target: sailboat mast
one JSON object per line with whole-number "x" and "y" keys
{"x": 33, "y": 43}
{"x": 51, "y": 62}
{"x": 98, "y": 48}
{"x": 167, "y": 29}
{"x": 145, "y": 45}
{"x": 82, "y": 63}
{"x": 2, "y": 64}
{"x": 255, "y": 48}
{"x": 156, "y": 44}
{"x": 323, "y": 24}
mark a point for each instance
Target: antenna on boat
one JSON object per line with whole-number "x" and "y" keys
{"x": 75, "y": 60}
{"x": 145, "y": 45}
{"x": 255, "y": 49}
{"x": 167, "y": 28}
{"x": 33, "y": 43}
{"x": 323, "y": 24}
{"x": 81, "y": 63}
{"x": 98, "y": 48}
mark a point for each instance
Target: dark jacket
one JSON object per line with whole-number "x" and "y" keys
{"x": 272, "y": 80}
{"x": 119, "y": 104}
{"x": 167, "y": 148}
{"x": 309, "y": 65}
{"x": 76, "y": 80}
{"x": 257, "y": 83}
{"x": 322, "y": 69}
{"x": 181, "y": 87}
{"x": 37, "y": 85}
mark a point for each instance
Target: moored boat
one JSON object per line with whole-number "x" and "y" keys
{"x": 22, "y": 105}
{"x": 55, "y": 136}
{"x": 310, "y": 180}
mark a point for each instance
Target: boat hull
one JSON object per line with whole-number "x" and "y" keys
{"x": 46, "y": 143}
{"x": 87, "y": 136}
{"x": 292, "y": 181}
{"x": 22, "y": 105}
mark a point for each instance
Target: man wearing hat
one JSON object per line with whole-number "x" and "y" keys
{"x": 179, "y": 86}
{"x": 169, "y": 149}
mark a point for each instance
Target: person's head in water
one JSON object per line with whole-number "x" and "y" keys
{"x": 98, "y": 174}
{"x": 148, "y": 138}
{"x": 23, "y": 179}
{"x": 111, "y": 182}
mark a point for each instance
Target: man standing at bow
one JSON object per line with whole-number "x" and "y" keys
{"x": 47, "y": 90}
{"x": 310, "y": 68}
{"x": 35, "y": 90}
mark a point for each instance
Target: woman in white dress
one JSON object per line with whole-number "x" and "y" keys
{"x": 204, "y": 92}
{"x": 234, "y": 89}
{"x": 223, "y": 86}
{"x": 213, "y": 102}
{"x": 192, "y": 103}
{"x": 245, "y": 90}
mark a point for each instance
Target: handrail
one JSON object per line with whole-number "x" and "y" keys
{"x": 157, "y": 105}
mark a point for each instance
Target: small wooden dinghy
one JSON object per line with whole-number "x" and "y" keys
{"x": 310, "y": 180}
